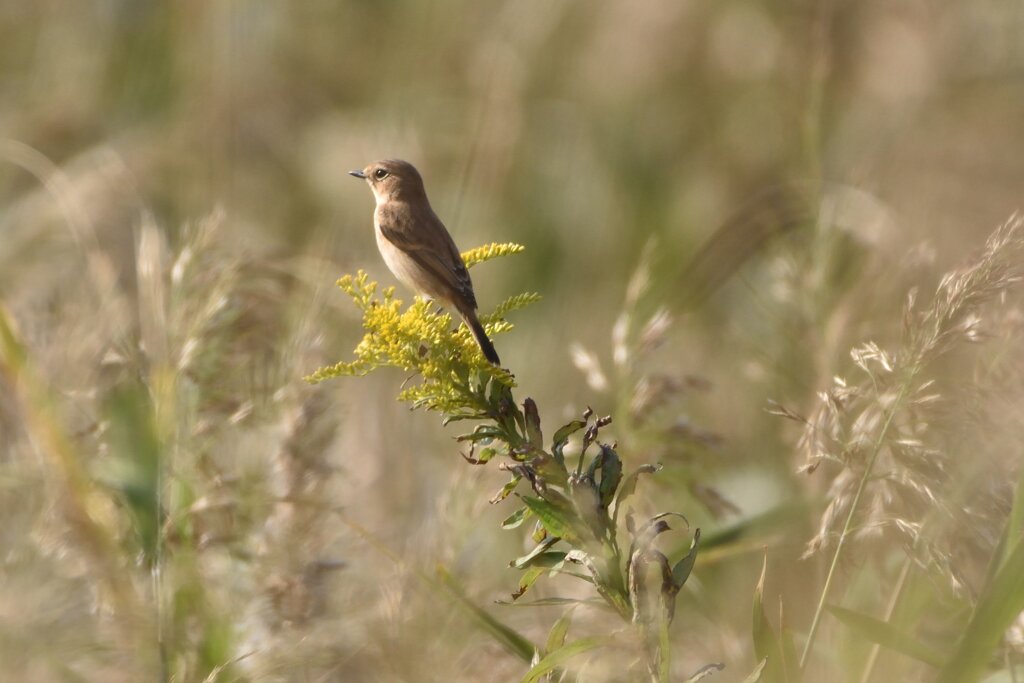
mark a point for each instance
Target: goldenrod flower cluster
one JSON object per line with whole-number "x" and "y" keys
{"x": 420, "y": 339}
{"x": 489, "y": 251}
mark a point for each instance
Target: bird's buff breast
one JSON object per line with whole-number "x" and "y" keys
{"x": 408, "y": 272}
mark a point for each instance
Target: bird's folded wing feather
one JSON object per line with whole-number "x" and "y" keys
{"x": 447, "y": 268}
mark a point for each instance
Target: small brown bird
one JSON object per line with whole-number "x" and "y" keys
{"x": 416, "y": 245}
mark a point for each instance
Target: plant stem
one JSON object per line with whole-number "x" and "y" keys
{"x": 901, "y": 584}
{"x": 845, "y": 534}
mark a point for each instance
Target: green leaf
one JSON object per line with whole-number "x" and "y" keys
{"x": 1000, "y": 603}
{"x": 527, "y": 580}
{"x": 480, "y": 433}
{"x": 499, "y": 397}
{"x": 506, "y": 489}
{"x": 486, "y": 455}
{"x": 531, "y": 557}
{"x": 507, "y": 636}
{"x": 611, "y": 475}
{"x": 533, "y": 432}
{"x": 755, "y": 675}
{"x": 766, "y": 642}
{"x": 628, "y": 486}
{"x": 556, "y": 636}
{"x": 554, "y": 602}
{"x": 459, "y": 417}
{"x": 1011, "y": 532}
{"x": 681, "y": 571}
{"x": 516, "y": 518}
{"x": 563, "y": 654}
{"x": 556, "y": 521}
{"x": 133, "y": 464}
{"x": 790, "y": 659}
{"x": 882, "y": 633}
{"x": 664, "y": 642}
{"x": 587, "y": 505}
{"x": 562, "y": 435}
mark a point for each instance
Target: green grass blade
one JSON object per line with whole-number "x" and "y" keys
{"x": 556, "y": 637}
{"x": 881, "y": 633}
{"x": 563, "y": 654}
{"x": 766, "y": 642}
{"x": 1000, "y": 603}
{"x": 506, "y": 635}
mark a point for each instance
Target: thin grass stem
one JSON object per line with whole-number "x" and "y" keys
{"x": 848, "y": 525}
{"x": 901, "y": 584}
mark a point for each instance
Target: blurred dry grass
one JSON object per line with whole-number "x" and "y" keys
{"x": 175, "y": 212}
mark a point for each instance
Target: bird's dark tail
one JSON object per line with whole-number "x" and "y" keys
{"x": 481, "y": 337}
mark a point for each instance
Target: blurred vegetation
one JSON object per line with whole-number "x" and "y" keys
{"x": 719, "y": 202}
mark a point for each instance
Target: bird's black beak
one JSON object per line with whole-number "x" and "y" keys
{"x": 358, "y": 174}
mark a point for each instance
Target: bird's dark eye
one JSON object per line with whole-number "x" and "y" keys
{"x": 380, "y": 174}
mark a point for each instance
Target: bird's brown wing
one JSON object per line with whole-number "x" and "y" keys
{"x": 430, "y": 246}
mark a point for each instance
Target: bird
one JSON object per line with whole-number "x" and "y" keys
{"x": 416, "y": 246}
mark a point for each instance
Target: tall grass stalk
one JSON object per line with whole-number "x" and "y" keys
{"x": 844, "y": 534}
{"x": 847, "y": 414}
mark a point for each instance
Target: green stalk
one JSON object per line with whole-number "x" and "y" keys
{"x": 897, "y": 595}
{"x": 876, "y": 449}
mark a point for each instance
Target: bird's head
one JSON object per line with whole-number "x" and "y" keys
{"x": 392, "y": 179}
